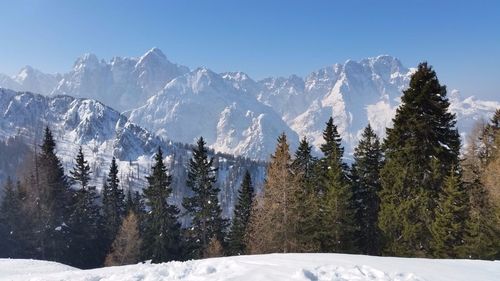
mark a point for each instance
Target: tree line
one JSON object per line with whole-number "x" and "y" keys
{"x": 412, "y": 194}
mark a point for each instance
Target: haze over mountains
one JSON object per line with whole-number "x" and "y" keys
{"x": 236, "y": 114}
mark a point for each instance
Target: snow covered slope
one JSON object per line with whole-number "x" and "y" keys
{"x": 104, "y": 133}
{"x": 204, "y": 103}
{"x": 274, "y": 267}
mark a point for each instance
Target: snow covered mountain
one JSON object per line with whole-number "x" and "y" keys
{"x": 104, "y": 133}
{"x": 350, "y": 92}
{"x": 31, "y": 80}
{"x": 237, "y": 114}
{"x": 204, "y": 103}
{"x": 123, "y": 82}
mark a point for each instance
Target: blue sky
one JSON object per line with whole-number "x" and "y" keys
{"x": 263, "y": 38}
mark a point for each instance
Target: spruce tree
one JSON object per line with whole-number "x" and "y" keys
{"x": 203, "y": 207}
{"x": 366, "y": 185}
{"x": 337, "y": 216}
{"x": 448, "y": 227}
{"x": 53, "y": 207}
{"x": 113, "y": 204}
{"x": 134, "y": 203}
{"x": 236, "y": 238}
{"x": 162, "y": 233}
{"x": 11, "y": 218}
{"x": 273, "y": 224}
{"x": 84, "y": 222}
{"x": 305, "y": 169}
{"x": 81, "y": 171}
{"x": 420, "y": 150}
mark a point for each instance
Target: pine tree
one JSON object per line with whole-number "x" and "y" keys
{"x": 337, "y": 216}
{"x": 113, "y": 203}
{"x": 420, "y": 150}
{"x": 84, "y": 222}
{"x": 273, "y": 226}
{"x": 162, "y": 234}
{"x": 127, "y": 245}
{"x": 366, "y": 185}
{"x": 203, "y": 207}
{"x": 10, "y": 222}
{"x": 305, "y": 169}
{"x": 53, "y": 207}
{"x": 448, "y": 227}
{"x": 236, "y": 238}
{"x": 81, "y": 171}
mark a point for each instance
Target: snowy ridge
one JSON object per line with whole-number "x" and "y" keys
{"x": 123, "y": 82}
{"x": 104, "y": 133}
{"x": 237, "y": 114}
{"x": 203, "y": 103}
{"x": 276, "y": 267}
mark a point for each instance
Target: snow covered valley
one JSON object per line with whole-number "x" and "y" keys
{"x": 272, "y": 267}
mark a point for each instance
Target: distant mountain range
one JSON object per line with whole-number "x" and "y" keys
{"x": 236, "y": 114}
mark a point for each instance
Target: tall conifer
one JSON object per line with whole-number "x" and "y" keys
{"x": 84, "y": 222}
{"x": 162, "y": 233}
{"x": 307, "y": 210}
{"x": 366, "y": 185}
{"x": 236, "y": 238}
{"x": 203, "y": 207}
{"x": 337, "y": 217}
{"x": 420, "y": 150}
{"x": 112, "y": 203}
{"x": 53, "y": 207}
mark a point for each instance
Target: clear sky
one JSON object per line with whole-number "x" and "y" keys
{"x": 262, "y": 38}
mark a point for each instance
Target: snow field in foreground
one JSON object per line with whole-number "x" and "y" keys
{"x": 274, "y": 267}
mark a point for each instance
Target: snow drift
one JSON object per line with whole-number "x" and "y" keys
{"x": 273, "y": 267}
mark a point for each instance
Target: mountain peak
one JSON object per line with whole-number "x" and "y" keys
{"x": 153, "y": 54}
{"x": 87, "y": 59}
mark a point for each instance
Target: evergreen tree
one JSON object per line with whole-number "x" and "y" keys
{"x": 337, "y": 216}
{"x": 236, "y": 244}
{"x": 162, "y": 234}
{"x": 84, "y": 222}
{"x": 273, "y": 226}
{"x": 448, "y": 227}
{"x": 305, "y": 169}
{"x": 203, "y": 207}
{"x": 81, "y": 171}
{"x": 113, "y": 204}
{"x": 133, "y": 203}
{"x": 366, "y": 182}
{"x": 420, "y": 150}
{"x": 53, "y": 207}
{"x": 11, "y": 217}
